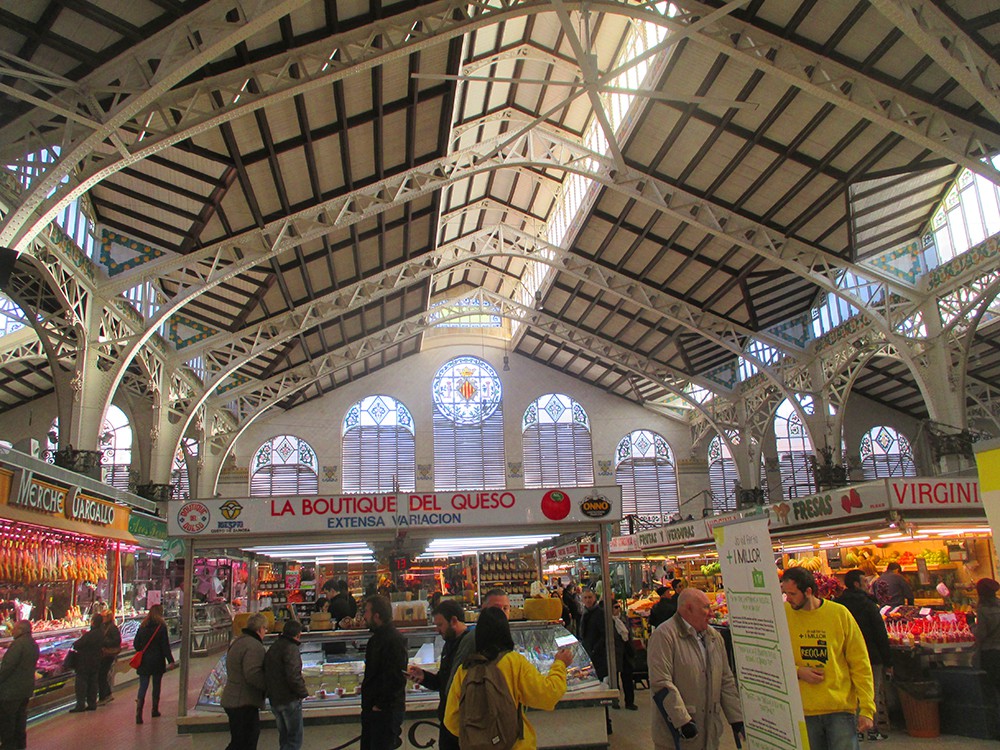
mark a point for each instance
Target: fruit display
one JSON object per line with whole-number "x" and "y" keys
{"x": 935, "y": 557}
{"x": 906, "y": 629}
{"x": 813, "y": 564}
{"x": 711, "y": 569}
{"x": 720, "y": 610}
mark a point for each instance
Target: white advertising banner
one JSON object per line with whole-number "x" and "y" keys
{"x": 414, "y": 510}
{"x": 765, "y": 667}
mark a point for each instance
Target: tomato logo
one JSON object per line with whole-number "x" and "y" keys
{"x": 555, "y": 505}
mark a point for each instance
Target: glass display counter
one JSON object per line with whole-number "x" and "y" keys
{"x": 52, "y": 647}
{"x": 212, "y": 628}
{"x": 333, "y": 663}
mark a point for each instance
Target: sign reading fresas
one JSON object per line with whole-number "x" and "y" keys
{"x": 399, "y": 511}
{"x": 826, "y": 506}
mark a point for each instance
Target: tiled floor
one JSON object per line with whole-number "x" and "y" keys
{"x": 113, "y": 727}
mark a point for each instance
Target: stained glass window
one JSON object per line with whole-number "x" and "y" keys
{"x": 557, "y": 445}
{"x": 794, "y": 451}
{"x": 379, "y": 447}
{"x": 886, "y": 453}
{"x": 284, "y": 465}
{"x": 644, "y": 467}
{"x": 468, "y": 426}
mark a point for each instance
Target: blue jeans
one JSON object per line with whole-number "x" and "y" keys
{"x": 289, "y": 720}
{"x": 833, "y": 731}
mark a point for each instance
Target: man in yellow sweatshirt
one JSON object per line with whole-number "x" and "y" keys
{"x": 835, "y": 675}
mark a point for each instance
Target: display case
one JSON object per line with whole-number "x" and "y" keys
{"x": 130, "y": 626}
{"x": 212, "y": 627}
{"x": 52, "y": 647}
{"x": 333, "y": 663}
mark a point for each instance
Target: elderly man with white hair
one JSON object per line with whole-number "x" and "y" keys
{"x": 689, "y": 676}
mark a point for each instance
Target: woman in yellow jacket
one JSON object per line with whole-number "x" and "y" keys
{"x": 527, "y": 685}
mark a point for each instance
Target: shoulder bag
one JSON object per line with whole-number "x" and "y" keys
{"x": 136, "y": 661}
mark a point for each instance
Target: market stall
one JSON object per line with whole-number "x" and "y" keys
{"x": 380, "y": 530}
{"x": 70, "y": 547}
{"x": 935, "y": 529}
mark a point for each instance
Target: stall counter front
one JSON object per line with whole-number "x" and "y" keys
{"x": 333, "y": 666}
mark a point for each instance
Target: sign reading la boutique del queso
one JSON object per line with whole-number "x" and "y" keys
{"x": 40, "y": 495}
{"x": 398, "y": 511}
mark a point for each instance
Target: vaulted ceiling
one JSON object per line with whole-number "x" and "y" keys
{"x": 641, "y": 192}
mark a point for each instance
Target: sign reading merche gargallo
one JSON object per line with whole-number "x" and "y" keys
{"x": 40, "y": 496}
{"x": 423, "y": 510}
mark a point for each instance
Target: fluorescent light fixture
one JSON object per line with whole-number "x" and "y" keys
{"x": 853, "y": 540}
{"x": 800, "y": 548}
{"x": 688, "y": 557}
{"x": 310, "y": 551}
{"x": 947, "y": 532}
{"x": 470, "y": 545}
{"x": 893, "y": 535}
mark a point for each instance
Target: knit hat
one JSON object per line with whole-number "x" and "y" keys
{"x": 987, "y": 587}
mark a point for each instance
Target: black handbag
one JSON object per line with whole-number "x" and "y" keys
{"x": 69, "y": 663}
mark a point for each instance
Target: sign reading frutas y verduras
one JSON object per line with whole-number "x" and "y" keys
{"x": 399, "y": 511}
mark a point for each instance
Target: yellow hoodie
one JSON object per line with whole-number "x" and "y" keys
{"x": 828, "y": 638}
{"x": 526, "y": 684}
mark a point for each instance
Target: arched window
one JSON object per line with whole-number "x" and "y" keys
{"x": 794, "y": 451}
{"x": 886, "y": 453}
{"x": 723, "y": 475}
{"x": 284, "y": 465}
{"x": 468, "y": 426}
{"x": 379, "y": 447}
{"x": 644, "y": 467}
{"x": 557, "y": 445}
{"x": 116, "y": 449}
{"x": 180, "y": 478}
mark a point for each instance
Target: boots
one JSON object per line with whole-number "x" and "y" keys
{"x": 156, "y": 706}
{"x": 139, "y": 703}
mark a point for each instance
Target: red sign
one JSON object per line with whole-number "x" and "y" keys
{"x": 928, "y": 493}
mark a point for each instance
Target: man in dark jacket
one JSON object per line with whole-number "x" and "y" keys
{"x": 285, "y": 686}
{"x": 87, "y": 665}
{"x": 892, "y": 588}
{"x": 459, "y": 644}
{"x": 664, "y": 609}
{"x": 17, "y": 683}
{"x": 383, "y": 688}
{"x": 109, "y": 655}
{"x": 243, "y": 695}
{"x": 593, "y": 634}
{"x": 343, "y": 604}
{"x": 869, "y": 619}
